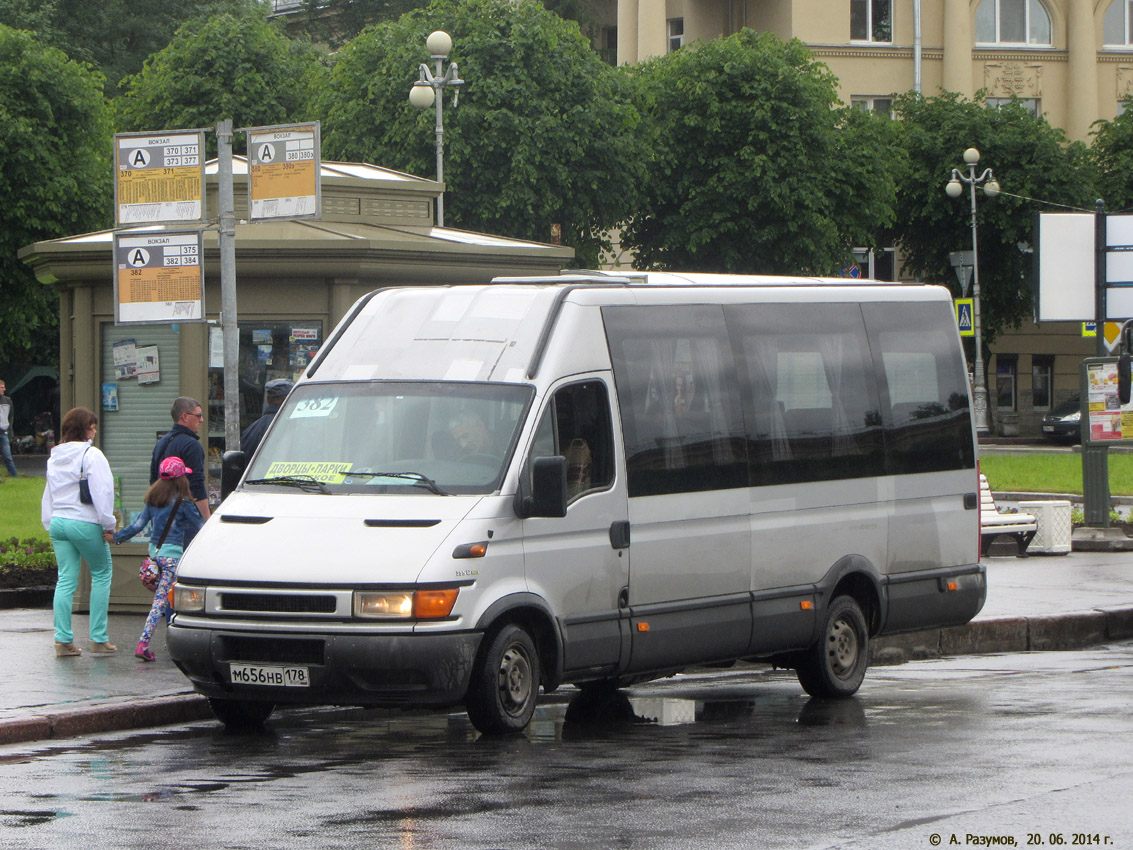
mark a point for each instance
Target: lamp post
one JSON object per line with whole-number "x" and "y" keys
{"x": 428, "y": 90}
{"x": 954, "y": 189}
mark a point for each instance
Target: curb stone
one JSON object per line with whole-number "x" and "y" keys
{"x": 160, "y": 711}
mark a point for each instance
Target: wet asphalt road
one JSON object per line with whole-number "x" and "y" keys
{"x": 1035, "y": 747}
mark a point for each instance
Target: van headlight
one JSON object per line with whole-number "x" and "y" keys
{"x": 430, "y": 604}
{"x": 188, "y": 600}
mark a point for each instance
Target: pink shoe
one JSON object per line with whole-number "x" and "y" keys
{"x": 143, "y": 652}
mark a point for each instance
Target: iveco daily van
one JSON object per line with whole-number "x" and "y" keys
{"x": 475, "y": 492}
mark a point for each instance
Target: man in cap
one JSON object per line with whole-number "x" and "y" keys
{"x": 183, "y": 441}
{"x": 274, "y": 394}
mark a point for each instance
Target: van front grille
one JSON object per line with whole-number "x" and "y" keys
{"x": 272, "y": 650}
{"x": 270, "y": 603}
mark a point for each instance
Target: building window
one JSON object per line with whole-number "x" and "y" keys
{"x": 871, "y": 20}
{"x": 608, "y": 41}
{"x": 1042, "y": 382}
{"x": 879, "y": 105}
{"x": 1031, "y": 104}
{"x": 676, "y": 33}
{"x": 1013, "y": 22}
{"x": 1006, "y": 367}
{"x": 1116, "y": 30}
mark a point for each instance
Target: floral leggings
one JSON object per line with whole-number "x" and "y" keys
{"x": 160, "y": 606}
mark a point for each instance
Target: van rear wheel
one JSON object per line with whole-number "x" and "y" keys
{"x": 836, "y": 665}
{"x": 240, "y": 714}
{"x": 505, "y": 683}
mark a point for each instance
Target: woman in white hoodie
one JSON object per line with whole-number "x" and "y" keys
{"x": 79, "y": 528}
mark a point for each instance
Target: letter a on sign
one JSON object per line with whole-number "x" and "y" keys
{"x": 964, "y": 317}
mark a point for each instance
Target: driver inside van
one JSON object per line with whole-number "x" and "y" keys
{"x": 471, "y": 435}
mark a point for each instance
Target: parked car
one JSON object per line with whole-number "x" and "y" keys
{"x": 1063, "y": 422}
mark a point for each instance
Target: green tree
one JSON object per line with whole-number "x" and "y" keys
{"x": 1030, "y": 159}
{"x": 234, "y": 66}
{"x": 55, "y": 142}
{"x": 1112, "y": 154}
{"x": 755, "y": 168}
{"x": 115, "y": 36}
{"x": 545, "y": 132}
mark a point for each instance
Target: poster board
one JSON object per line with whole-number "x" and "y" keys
{"x": 1105, "y": 420}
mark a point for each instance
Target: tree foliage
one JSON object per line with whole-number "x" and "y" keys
{"x": 1112, "y": 155}
{"x": 234, "y": 66}
{"x": 1030, "y": 159}
{"x": 755, "y": 168}
{"x": 115, "y": 36}
{"x": 544, "y": 133}
{"x": 55, "y": 142}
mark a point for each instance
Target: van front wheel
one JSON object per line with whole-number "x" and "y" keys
{"x": 505, "y": 683}
{"x": 835, "y": 666}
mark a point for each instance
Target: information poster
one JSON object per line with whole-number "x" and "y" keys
{"x": 283, "y": 172}
{"x": 1109, "y": 420}
{"x": 149, "y": 369}
{"x": 159, "y": 178}
{"x": 158, "y": 277}
{"x": 125, "y": 359}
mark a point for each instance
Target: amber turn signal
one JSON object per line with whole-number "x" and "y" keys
{"x": 434, "y": 604}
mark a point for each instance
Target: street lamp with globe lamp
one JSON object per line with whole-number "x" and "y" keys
{"x": 954, "y": 189}
{"x": 429, "y": 90}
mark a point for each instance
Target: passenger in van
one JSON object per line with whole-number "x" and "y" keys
{"x": 472, "y": 435}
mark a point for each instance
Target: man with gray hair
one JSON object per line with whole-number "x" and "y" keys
{"x": 183, "y": 441}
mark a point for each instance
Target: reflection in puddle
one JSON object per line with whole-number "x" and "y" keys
{"x": 595, "y": 713}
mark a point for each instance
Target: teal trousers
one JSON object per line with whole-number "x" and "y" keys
{"x": 73, "y": 540}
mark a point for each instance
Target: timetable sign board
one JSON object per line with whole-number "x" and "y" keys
{"x": 159, "y": 178}
{"x": 158, "y": 277}
{"x": 283, "y": 172}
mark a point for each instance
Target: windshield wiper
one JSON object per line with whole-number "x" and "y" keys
{"x": 417, "y": 478}
{"x": 306, "y": 483}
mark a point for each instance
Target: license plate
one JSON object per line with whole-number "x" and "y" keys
{"x": 1047, "y": 429}
{"x": 275, "y": 676}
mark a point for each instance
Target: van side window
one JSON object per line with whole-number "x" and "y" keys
{"x": 924, "y": 387}
{"x": 811, "y": 402}
{"x": 576, "y": 425}
{"x": 678, "y": 392}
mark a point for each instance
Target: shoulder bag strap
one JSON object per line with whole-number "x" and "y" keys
{"x": 169, "y": 522}
{"x": 83, "y": 460}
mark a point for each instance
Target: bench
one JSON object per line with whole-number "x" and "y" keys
{"x": 993, "y": 523}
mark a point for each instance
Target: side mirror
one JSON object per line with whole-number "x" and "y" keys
{"x": 232, "y": 469}
{"x": 548, "y": 496}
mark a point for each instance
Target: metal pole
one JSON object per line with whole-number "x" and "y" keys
{"x": 979, "y": 392}
{"x": 1095, "y": 458}
{"x": 438, "y": 87}
{"x": 228, "y": 323}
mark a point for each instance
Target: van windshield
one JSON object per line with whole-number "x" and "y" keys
{"x": 407, "y": 437}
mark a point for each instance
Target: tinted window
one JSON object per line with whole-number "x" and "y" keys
{"x": 678, "y": 391}
{"x": 811, "y": 404}
{"x": 923, "y": 387}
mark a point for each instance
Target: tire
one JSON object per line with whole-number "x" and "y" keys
{"x": 836, "y": 664}
{"x": 239, "y": 714}
{"x": 505, "y": 683}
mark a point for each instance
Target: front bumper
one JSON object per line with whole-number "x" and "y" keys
{"x": 345, "y": 669}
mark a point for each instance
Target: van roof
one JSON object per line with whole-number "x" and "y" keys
{"x": 498, "y": 331}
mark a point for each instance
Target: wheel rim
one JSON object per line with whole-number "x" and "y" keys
{"x": 842, "y": 648}
{"x": 515, "y": 680}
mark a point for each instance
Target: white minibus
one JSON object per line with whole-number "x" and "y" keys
{"x": 477, "y": 492}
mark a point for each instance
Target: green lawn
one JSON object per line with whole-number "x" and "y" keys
{"x": 1050, "y": 472}
{"x": 19, "y": 508}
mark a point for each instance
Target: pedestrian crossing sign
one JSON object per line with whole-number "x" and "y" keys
{"x": 964, "y": 316}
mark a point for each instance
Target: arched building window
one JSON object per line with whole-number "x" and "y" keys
{"x": 1118, "y": 21}
{"x": 1013, "y": 22}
